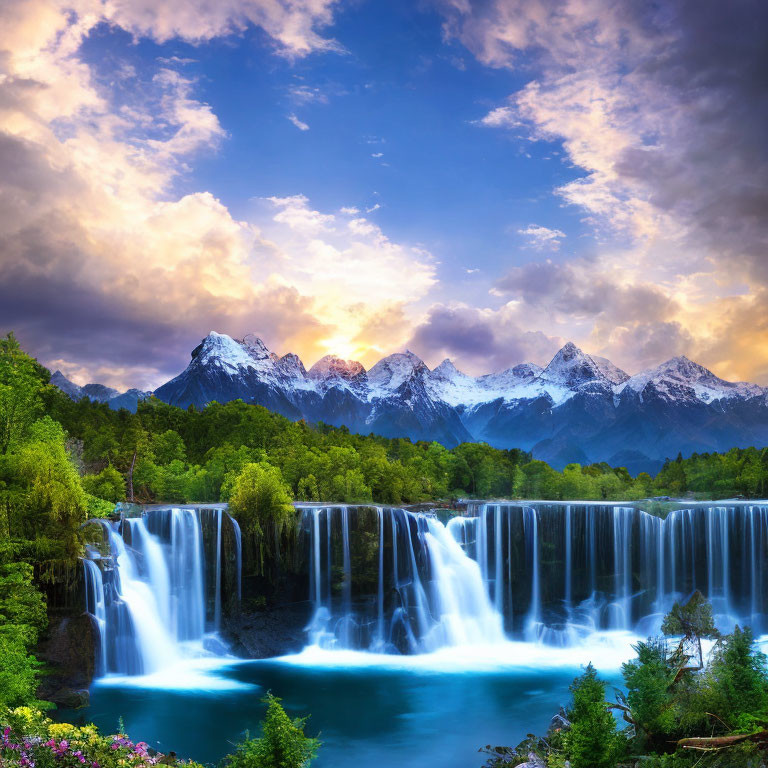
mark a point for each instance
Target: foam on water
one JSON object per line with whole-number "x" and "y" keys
{"x": 605, "y": 650}
{"x": 202, "y": 673}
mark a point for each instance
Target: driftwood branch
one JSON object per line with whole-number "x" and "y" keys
{"x": 683, "y": 670}
{"x": 626, "y": 712}
{"x": 712, "y": 743}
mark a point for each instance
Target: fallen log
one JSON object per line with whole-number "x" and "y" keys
{"x": 710, "y": 743}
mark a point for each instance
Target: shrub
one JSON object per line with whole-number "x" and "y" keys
{"x": 28, "y": 739}
{"x": 282, "y": 743}
{"x": 109, "y": 484}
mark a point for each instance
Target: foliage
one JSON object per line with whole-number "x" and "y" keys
{"x": 281, "y": 745}
{"x": 18, "y": 668}
{"x": 22, "y": 618}
{"x": 592, "y": 740}
{"x": 261, "y": 503}
{"x": 648, "y": 678}
{"x": 735, "y": 686}
{"x": 109, "y": 484}
{"x": 680, "y": 715}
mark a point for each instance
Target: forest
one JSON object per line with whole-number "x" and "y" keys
{"x": 165, "y": 453}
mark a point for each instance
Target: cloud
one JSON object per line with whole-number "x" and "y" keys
{"x": 298, "y": 123}
{"x": 293, "y": 25}
{"x": 105, "y": 270}
{"x": 482, "y": 340}
{"x": 662, "y": 109}
{"x": 305, "y": 94}
{"x": 542, "y": 238}
{"x": 500, "y": 117}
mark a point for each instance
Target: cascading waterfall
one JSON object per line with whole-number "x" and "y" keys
{"x": 417, "y": 591}
{"x": 95, "y": 605}
{"x": 392, "y": 580}
{"x": 145, "y": 587}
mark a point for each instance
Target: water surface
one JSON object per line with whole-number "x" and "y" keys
{"x": 366, "y": 713}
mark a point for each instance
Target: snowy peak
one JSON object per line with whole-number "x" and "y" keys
{"x": 447, "y": 383}
{"x": 256, "y": 348}
{"x": 447, "y": 370}
{"x": 510, "y": 377}
{"x": 220, "y": 350}
{"x": 612, "y": 372}
{"x": 571, "y": 367}
{"x": 290, "y": 366}
{"x": 682, "y": 379}
{"x": 393, "y": 371}
{"x": 333, "y": 367}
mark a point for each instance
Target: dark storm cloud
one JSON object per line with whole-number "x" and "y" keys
{"x": 579, "y": 290}
{"x": 487, "y": 342}
{"x": 709, "y": 165}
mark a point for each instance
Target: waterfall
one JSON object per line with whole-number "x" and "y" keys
{"x": 463, "y": 612}
{"x": 539, "y": 571}
{"x": 217, "y": 586}
{"x": 147, "y": 594}
{"x": 94, "y": 604}
{"x": 238, "y": 559}
{"x": 428, "y": 594}
{"x": 531, "y": 527}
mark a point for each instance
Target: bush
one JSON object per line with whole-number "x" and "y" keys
{"x": 282, "y": 743}
{"x": 18, "y": 669}
{"x": 735, "y": 687}
{"x": 109, "y": 484}
{"x": 649, "y": 680}
{"x": 31, "y": 740}
{"x": 22, "y": 618}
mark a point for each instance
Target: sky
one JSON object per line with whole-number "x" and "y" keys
{"x": 476, "y": 179}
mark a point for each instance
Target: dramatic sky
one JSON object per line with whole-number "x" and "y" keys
{"x": 475, "y": 179}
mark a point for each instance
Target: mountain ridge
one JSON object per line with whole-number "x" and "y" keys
{"x": 577, "y": 408}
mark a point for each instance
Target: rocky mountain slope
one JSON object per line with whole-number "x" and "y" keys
{"x": 579, "y": 408}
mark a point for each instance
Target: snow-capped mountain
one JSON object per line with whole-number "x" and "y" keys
{"x": 578, "y": 408}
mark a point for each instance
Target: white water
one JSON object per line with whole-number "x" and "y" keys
{"x": 148, "y": 597}
{"x": 557, "y": 574}
{"x": 464, "y": 613}
{"x": 94, "y": 604}
{"x": 589, "y": 579}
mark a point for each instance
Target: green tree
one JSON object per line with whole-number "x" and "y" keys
{"x": 282, "y": 744}
{"x": 592, "y": 741}
{"x": 21, "y": 383}
{"x": 109, "y": 484}
{"x": 260, "y": 501}
{"x": 735, "y": 687}
{"x": 650, "y": 697}
{"x": 22, "y": 618}
{"x": 169, "y": 446}
{"x": 692, "y": 621}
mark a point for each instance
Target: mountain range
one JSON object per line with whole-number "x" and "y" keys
{"x": 578, "y": 408}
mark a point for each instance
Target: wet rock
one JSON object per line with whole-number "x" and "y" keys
{"x": 70, "y": 698}
{"x": 269, "y": 633}
{"x": 69, "y": 652}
